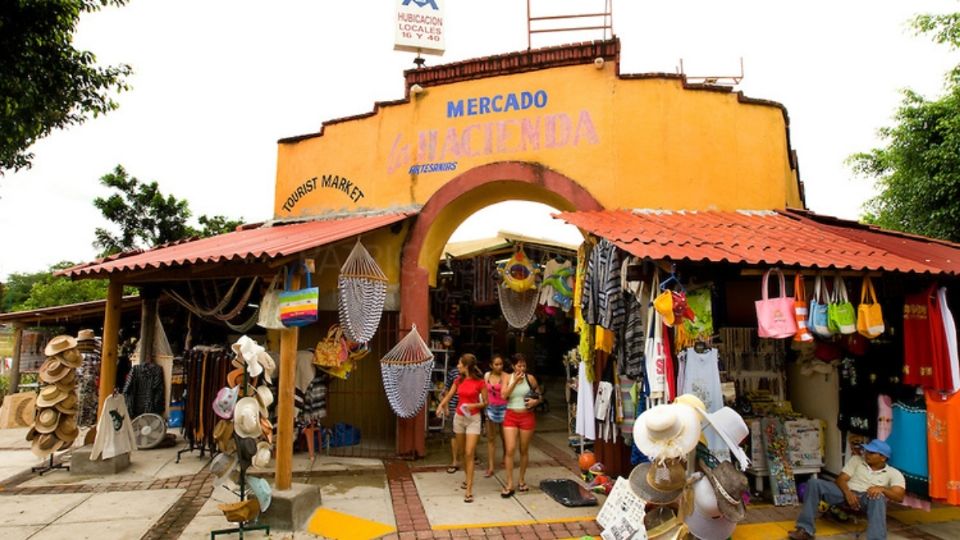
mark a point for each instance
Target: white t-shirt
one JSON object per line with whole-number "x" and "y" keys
{"x": 862, "y": 477}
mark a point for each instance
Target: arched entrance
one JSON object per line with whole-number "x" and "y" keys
{"x": 438, "y": 219}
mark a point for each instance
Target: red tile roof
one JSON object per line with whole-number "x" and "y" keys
{"x": 755, "y": 237}
{"x": 261, "y": 243}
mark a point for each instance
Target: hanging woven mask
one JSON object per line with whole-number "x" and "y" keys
{"x": 519, "y": 273}
{"x": 518, "y": 308}
{"x": 406, "y": 374}
{"x": 362, "y": 293}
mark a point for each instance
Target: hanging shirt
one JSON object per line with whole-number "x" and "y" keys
{"x": 943, "y": 446}
{"x": 924, "y": 342}
{"x": 468, "y": 393}
{"x": 586, "y": 417}
{"x": 908, "y": 440}
{"x": 114, "y": 431}
{"x": 858, "y": 398}
{"x": 602, "y": 301}
{"x": 547, "y": 291}
{"x": 701, "y": 377}
{"x": 950, "y": 332}
{"x": 144, "y": 390}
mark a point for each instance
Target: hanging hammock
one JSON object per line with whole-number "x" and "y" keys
{"x": 406, "y": 374}
{"x": 518, "y": 308}
{"x": 363, "y": 291}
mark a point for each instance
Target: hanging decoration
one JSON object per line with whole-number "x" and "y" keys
{"x": 362, "y": 292}
{"x": 406, "y": 374}
{"x": 519, "y": 293}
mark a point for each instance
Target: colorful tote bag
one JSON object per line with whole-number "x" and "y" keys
{"x": 818, "y": 322}
{"x": 776, "y": 317}
{"x": 331, "y": 351}
{"x": 841, "y": 316}
{"x": 800, "y": 309}
{"x": 299, "y": 307}
{"x": 869, "y": 315}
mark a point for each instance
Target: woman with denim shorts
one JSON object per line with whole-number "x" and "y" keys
{"x": 472, "y": 395}
{"x": 522, "y": 394}
{"x": 496, "y": 409}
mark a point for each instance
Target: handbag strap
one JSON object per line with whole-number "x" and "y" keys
{"x": 839, "y": 290}
{"x": 799, "y": 288}
{"x": 866, "y": 290}
{"x": 783, "y": 284}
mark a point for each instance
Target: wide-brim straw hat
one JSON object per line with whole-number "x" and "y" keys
{"x": 248, "y": 349}
{"x": 69, "y": 382}
{"x": 264, "y": 398}
{"x": 266, "y": 429}
{"x": 67, "y": 430}
{"x": 50, "y": 395}
{"x": 59, "y": 344}
{"x": 69, "y": 405}
{"x": 732, "y": 430}
{"x": 728, "y": 485}
{"x": 223, "y": 434}
{"x": 47, "y": 420}
{"x": 659, "y": 483}
{"x": 45, "y": 444}
{"x": 85, "y": 335}
{"x": 246, "y": 417}
{"x": 262, "y": 458}
{"x": 667, "y": 431}
{"x": 53, "y": 370}
{"x": 235, "y": 377}
{"x": 269, "y": 366}
{"x": 240, "y": 511}
{"x": 71, "y": 358}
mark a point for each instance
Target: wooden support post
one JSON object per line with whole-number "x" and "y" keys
{"x": 288, "y": 371}
{"x": 149, "y": 298}
{"x": 111, "y": 338}
{"x": 14, "y": 377}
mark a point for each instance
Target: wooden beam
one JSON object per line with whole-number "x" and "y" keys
{"x": 111, "y": 339}
{"x": 14, "y": 384}
{"x": 288, "y": 370}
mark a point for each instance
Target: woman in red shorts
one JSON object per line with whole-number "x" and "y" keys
{"x": 522, "y": 394}
{"x": 471, "y": 394}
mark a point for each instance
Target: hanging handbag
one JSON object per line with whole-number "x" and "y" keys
{"x": 299, "y": 307}
{"x": 776, "y": 317}
{"x": 869, "y": 315}
{"x": 818, "y": 321}
{"x": 269, "y": 316}
{"x": 800, "y": 308}
{"x": 332, "y": 350}
{"x": 841, "y": 316}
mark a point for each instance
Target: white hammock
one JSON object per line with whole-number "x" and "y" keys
{"x": 362, "y": 292}
{"x": 518, "y": 308}
{"x": 406, "y": 374}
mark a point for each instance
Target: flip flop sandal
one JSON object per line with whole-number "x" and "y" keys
{"x": 451, "y": 469}
{"x": 506, "y": 494}
{"x": 468, "y": 499}
{"x": 488, "y": 474}
{"x": 463, "y": 485}
{"x": 523, "y": 488}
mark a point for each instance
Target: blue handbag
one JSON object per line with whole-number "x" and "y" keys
{"x": 818, "y": 321}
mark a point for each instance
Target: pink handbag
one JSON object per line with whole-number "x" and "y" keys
{"x": 776, "y": 317}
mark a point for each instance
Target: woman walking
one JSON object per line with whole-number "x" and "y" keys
{"x": 471, "y": 393}
{"x": 522, "y": 394}
{"x": 496, "y": 409}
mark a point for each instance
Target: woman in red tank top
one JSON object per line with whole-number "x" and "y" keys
{"x": 471, "y": 394}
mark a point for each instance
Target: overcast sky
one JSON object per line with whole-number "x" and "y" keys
{"x": 216, "y": 83}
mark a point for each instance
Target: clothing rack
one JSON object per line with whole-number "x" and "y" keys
{"x": 205, "y": 369}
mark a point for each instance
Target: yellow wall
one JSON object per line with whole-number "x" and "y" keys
{"x": 633, "y": 143}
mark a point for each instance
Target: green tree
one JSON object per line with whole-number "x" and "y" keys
{"x": 49, "y": 290}
{"x": 17, "y": 288}
{"x": 918, "y": 169}
{"x": 146, "y": 217}
{"x": 46, "y": 83}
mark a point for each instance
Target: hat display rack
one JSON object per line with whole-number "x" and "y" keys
{"x": 55, "y": 420}
{"x": 246, "y": 511}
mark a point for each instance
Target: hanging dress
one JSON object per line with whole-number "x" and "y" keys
{"x": 943, "y": 446}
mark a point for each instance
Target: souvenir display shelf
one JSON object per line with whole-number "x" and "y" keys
{"x": 438, "y": 378}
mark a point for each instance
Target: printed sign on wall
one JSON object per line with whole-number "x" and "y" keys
{"x": 419, "y": 26}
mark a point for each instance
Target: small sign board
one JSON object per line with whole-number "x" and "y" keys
{"x": 419, "y": 26}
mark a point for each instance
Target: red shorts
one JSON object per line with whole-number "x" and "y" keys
{"x": 524, "y": 420}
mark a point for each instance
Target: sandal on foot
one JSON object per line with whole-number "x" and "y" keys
{"x": 522, "y": 488}
{"x": 452, "y": 469}
{"x": 506, "y": 494}
{"x": 488, "y": 474}
{"x": 468, "y": 498}
{"x": 463, "y": 485}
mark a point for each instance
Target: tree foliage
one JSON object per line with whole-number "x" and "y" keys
{"x": 43, "y": 289}
{"x": 918, "y": 169}
{"x": 146, "y": 217}
{"x": 46, "y": 83}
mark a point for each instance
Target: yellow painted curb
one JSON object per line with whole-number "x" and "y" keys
{"x": 779, "y": 529}
{"x": 936, "y": 515}
{"x": 512, "y": 523}
{"x": 331, "y": 524}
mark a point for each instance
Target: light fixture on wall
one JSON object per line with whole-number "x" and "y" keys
{"x": 417, "y": 90}
{"x": 598, "y": 62}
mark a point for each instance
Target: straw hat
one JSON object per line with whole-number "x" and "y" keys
{"x": 32, "y": 433}
{"x": 67, "y": 430}
{"x": 262, "y": 458}
{"x": 85, "y": 335}
{"x": 269, "y": 366}
{"x": 51, "y": 395}
{"x": 264, "y": 398}
{"x": 69, "y": 405}
{"x": 235, "y": 377}
{"x": 728, "y": 485}
{"x": 45, "y": 444}
{"x": 239, "y": 511}
{"x": 247, "y": 349}
{"x": 47, "y": 420}
{"x": 69, "y": 382}
{"x": 662, "y": 523}
{"x": 732, "y": 429}
{"x": 59, "y": 344}
{"x": 659, "y": 483}
{"x": 266, "y": 429}
{"x": 246, "y": 417}
{"x": 53, "y": 370}
{"x": 223, "y": 434}
{"x": 71, "y": 358}
{"x": 225, "y": 401}
{"x": 667, "y": 431}
{"x": 261, "y": 491}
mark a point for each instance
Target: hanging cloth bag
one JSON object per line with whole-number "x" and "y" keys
{"x": 818, "y": 321}
{"x": 362, "y": 288}
{"x": 800, "y": 308}
{"x": 655, "y": 367}
{"x": 269, "y": 316}
{"x": 332, "y": 350}
{"x": 841, "y": 316}
{"x": 406, "y": 372}
{"x": 299, "y": 307}
{"x": 776, "y": 317}
{"x": 869, "y": 315}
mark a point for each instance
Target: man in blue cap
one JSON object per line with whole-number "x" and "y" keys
{"x": 865, "y": 482}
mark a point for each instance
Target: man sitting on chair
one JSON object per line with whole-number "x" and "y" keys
{"x": 866, "y": 482}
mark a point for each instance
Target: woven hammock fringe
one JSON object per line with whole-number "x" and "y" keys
{"x": 362, "y": 288}
{"x": 518, "y": 309}
{"x": 406, "y": 372}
